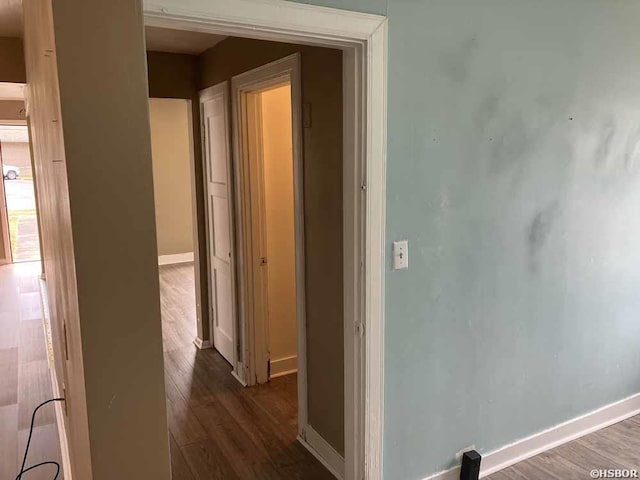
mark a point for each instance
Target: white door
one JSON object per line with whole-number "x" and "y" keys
{"x": 217, "y": 159}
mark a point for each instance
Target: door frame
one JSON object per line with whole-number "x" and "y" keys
{"x": 363, "y": 40}
{"x": 255, "y": 342}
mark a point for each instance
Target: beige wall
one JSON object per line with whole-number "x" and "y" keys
{"x": 277, "y": 158}
{"x": 171, "y": 156}
{"x": 321, "y": 70}
{"x": 12, "y": 68}
{"x": 12, "y": 110}
{"x": 98, "y": 230}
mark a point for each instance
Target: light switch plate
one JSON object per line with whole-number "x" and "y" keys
{"x": 400, "y": 255}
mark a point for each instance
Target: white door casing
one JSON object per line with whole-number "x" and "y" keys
{"x": 219, "y": 204}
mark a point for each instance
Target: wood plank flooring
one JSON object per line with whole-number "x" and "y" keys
{"x": 25, "y": 379}
{"x": 219, "y": 429}
{"x": 614, "y": 447}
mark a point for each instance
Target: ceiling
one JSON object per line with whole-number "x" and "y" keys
{"x": 179, "y": 41}
{"x": 10, "y": 18}
{"x": 158, "y": 39}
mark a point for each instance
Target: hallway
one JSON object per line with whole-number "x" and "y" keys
{"x": 25, "y": 379}
{"x": 218, "y": 429}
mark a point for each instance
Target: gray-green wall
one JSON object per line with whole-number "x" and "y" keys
{"x": 378, "y": 7}
{"x": 513, "y": 170}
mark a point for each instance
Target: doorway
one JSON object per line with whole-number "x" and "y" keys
{"x": 172, "y": 162}
{"x": 267, "y": 143}
{"x": 19, "y": 200}
{"x": 274, "y": 154}
{"x": 361, "y": 39}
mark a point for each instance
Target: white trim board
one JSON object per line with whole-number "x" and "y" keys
{"x": 298, "y": 21}
{"x": 325, "y": 453}
{"x": 284, "y": 366}
{"x": 58, "y": 406}
{"x": 363, "y": 41}
{"x": 550, "y": 438}
{"x": 202, "y": 344}
{"x": 175, "y": 258}
{"x": 62, "y": 427}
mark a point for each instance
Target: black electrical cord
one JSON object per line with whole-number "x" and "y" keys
{"x": 39, "y": 465}
{"x": 26, "y": 450}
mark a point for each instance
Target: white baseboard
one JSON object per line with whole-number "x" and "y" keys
{"x": 550, "y": 438}
{"x": 202, "y": 344}
{"x": 325, "y": 453}
{"x": 175, "y": 258}
{"x": 58, "y": 406}
{"x": 62, "y": 428}
{"x": 239, "y": 379}
{"x": 284, "y": 366}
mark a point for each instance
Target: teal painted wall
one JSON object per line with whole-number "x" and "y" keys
{"x": 378, "y": 7}
{"x": 513, "y": 171}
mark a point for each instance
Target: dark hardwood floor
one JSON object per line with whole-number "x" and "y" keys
{"x": 219, "y": 429}
{"x": 25, "y": 380}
